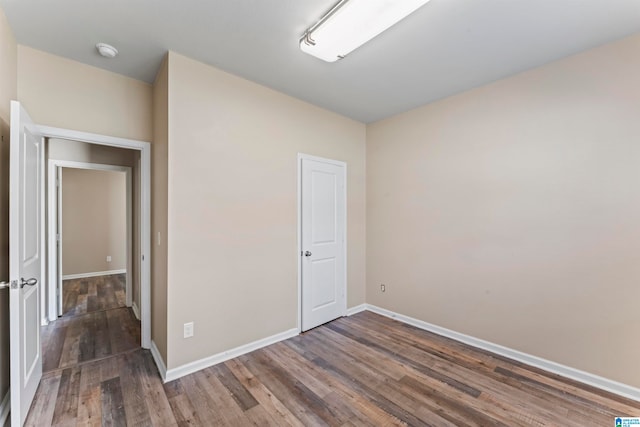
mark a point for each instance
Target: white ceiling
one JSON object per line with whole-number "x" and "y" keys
{"x": 446, "y": 47}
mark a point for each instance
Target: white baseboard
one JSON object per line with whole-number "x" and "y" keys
{"x": 155, "y": 353}
{"x": 92, "y": 274}
{"x": 136, "y": 310}
{"x": 357, "y": 309}
{"x": 189, "y": 368}
{"x": 5, "y": 408}
{"x": 538, "y": 362}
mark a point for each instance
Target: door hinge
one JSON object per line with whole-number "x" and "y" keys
{"x": 58, "y": 237}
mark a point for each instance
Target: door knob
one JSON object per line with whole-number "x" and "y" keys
{"x": 28, "y": 282}
{"x": 307, "y": 253}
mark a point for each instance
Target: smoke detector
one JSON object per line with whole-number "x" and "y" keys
{"x": 106, "y": 50}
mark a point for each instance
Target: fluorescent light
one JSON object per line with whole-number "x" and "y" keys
{"x": 352, "y": 23}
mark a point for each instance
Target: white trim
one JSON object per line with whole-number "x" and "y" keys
{"x": 155, "y": 353}
{"x": 528, "y": 359}
{"x": 299, "y": 239}
{"x": 92, "y": 274}
{"x": 128, "y": 295}
{"x": 92, "y": 138}
{"x": 302, "y": 156}
{"x": 5, "y": 408}
{"x": 50, "y": 302}
{"x": 60, "y": 249}
{"x": 136, "y": 310}
{"x": 43, "y": 233}
{"x": 145, "y": 210}
{"x": 357, "y": 309}
{"x": 189, "y": 368}
{"x": 145, "y": 245}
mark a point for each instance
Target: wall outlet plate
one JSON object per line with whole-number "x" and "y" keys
{"x": 108, "y": 258}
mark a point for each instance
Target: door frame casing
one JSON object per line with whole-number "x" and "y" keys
{"x": 145, "y": 209}
{"x": 54, "y": 216}
{"x": 301, "y": 157}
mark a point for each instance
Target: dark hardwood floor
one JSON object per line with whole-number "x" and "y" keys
{"x": 96, "y": 323}
{"x": 93, "y": 294}
{"x": 82, "y": 338}
{"x": 361, "y": 370}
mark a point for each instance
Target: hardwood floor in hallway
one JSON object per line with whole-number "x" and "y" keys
{"x": 96, "y": 329}
{"x": 360, "y": 370}
{"x": 96, "y": 323}
{"x": 93, "y": 294}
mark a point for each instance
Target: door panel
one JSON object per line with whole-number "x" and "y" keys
{"x": 323, "y": 273}
{"x": 323, "y": 208}
{"x": 30, "y": 199}
{"x": 25, "y": 260}
{"x": 31, "y": 350}
{"x": 323, "y": 214}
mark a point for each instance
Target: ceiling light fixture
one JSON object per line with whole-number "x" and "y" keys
{"x": 106, "y": 50}
{"x": 352, "y": 23}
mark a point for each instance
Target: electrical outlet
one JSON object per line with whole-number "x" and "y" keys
{"x": 108, "y": 258}
{"x": 383, "y": 287}
{"x": 188, "y": 330}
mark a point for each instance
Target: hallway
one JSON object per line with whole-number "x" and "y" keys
{"x": 95, "y": 336}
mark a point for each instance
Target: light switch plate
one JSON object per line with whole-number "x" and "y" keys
{"x": 188, "y": 330}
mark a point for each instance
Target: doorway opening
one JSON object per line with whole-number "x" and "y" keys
{"x": 79, "y": 153}
{"x": 93, "y": 291}
{"x": 91, "y": 233}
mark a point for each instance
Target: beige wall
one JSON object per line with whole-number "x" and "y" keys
{"x": 63, "y": 93}
{"x": 77, "y": 151}
{"x": 510, "y": 212}
{"x": 94, "y": 221}
{"x": 8, "y": 68}
{"x": 232, "y": 256}
{"x": 8, "y": 92}
{"x": 159, "y": 165}
{"x": 67, "y": 94}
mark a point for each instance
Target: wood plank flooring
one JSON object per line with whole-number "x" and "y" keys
{"x": 93, "y": 294}
{"x": 78, "y": 339}
{"x": 361, "y": 370}
{"x": 96, "y": 324}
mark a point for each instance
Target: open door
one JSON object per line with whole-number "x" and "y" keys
{"x": 25, "y": 260}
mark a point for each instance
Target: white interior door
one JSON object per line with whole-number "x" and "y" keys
{"x": 25, "y": 260}
{"x": 323, "y": 241}
{"x": 59, "y": 291}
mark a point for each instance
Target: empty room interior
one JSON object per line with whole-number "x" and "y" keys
{"x": 326, "y": 212}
